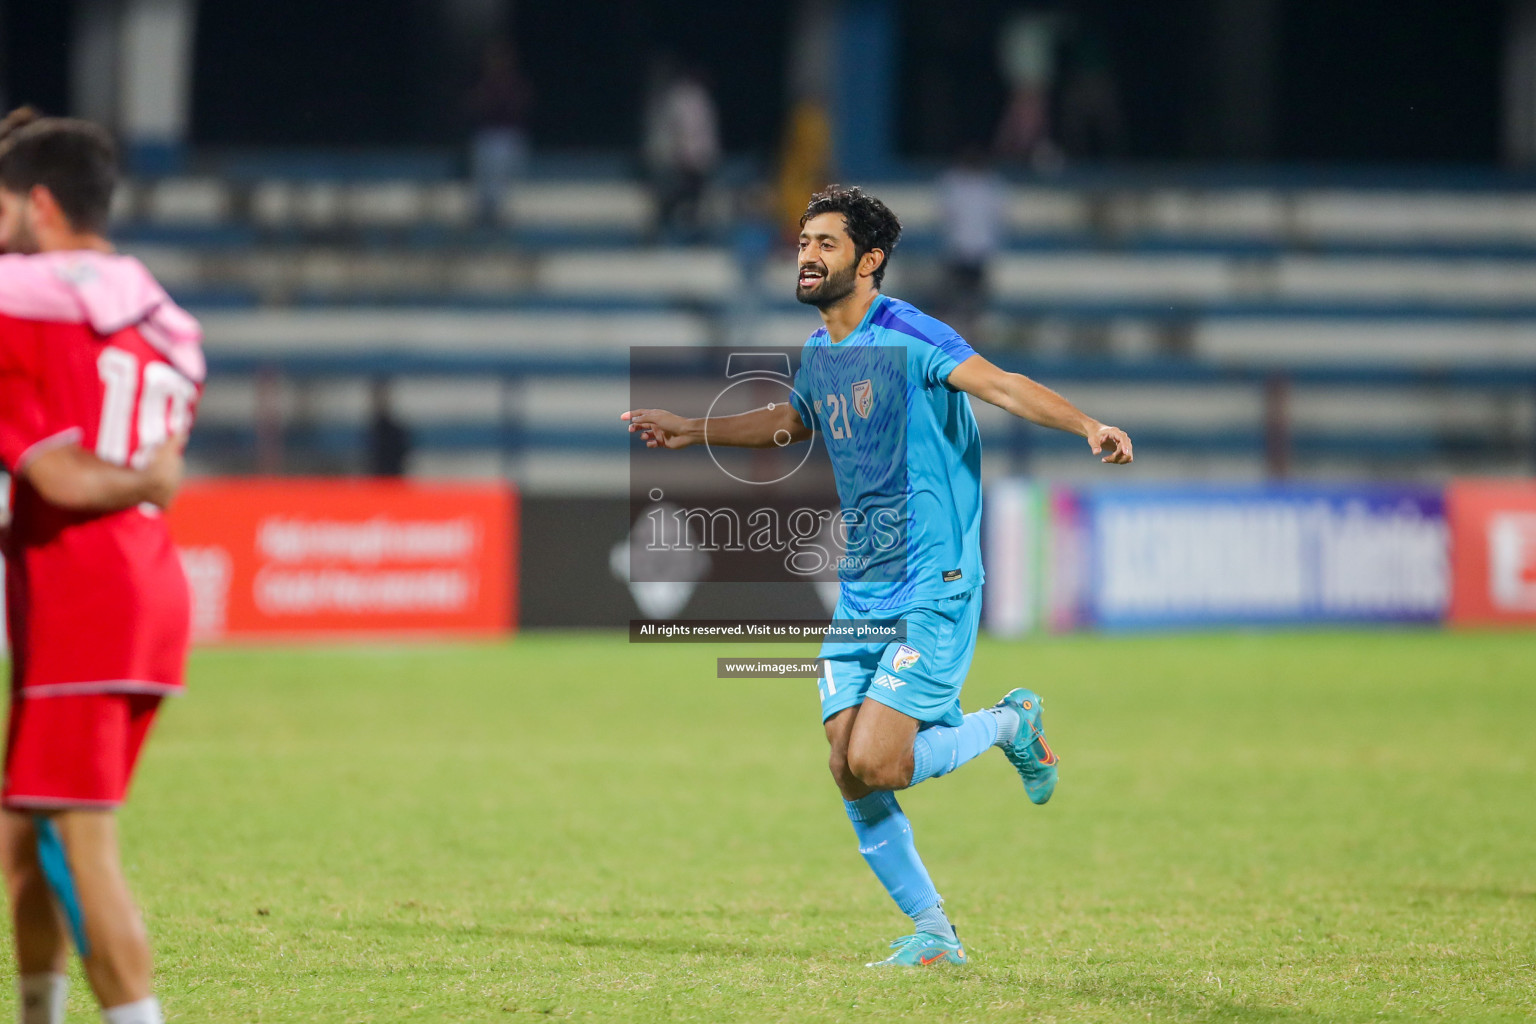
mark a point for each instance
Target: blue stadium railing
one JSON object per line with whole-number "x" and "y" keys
{"x": 272, "y": 446}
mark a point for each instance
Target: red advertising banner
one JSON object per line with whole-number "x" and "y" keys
{"x": 385, "y": 558}
{"x": 1493, "y": 551}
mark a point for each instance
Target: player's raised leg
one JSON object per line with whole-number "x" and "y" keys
{"x": 941, "y": 749}
{"x": 41, "y": 942}
{"x": 921, "y": 678}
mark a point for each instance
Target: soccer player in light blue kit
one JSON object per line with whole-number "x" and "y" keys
{"x": 887, "y": 388}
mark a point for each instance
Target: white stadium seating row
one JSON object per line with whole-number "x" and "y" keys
{"x": 1247, "y": 340}
{"x": 1281, "y": 216}
{"x": 1226, "y": 277}
{"x": 713, "y": 275}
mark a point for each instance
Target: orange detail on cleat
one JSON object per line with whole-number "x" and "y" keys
{"x": 926, "y": 960}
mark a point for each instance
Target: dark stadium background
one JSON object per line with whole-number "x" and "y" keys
{"x": 1372, "y": 81}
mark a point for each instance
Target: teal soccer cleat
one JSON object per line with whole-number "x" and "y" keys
{"x": 923, "y": 950}
{"x": 1029, "y": 753}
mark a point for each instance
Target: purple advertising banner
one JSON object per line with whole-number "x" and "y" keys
{"x": 1261, "y": 555}
{"x": 1191, "y": 556}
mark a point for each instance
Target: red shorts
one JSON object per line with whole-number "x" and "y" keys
{"x": 75, "y": 751}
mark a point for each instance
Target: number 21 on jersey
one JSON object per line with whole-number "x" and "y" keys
{"x": 151, "y": 396}
{"x": 837, "y": 406}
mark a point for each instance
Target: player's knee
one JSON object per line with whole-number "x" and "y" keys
{"x": 91, "y": 867}
{"x": 23, "y": 874}
{"x": 18, "y": 857}
{"x": 875, "y": 771}
{"x": 92, "y": 861}
{"x": 12, "y": 864}
{"x": 21, "y": 877}
{"x": 842, "y": 774}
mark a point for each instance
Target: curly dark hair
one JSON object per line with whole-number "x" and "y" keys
{"x": 871, "y": 224}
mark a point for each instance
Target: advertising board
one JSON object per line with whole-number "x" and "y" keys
{"x": 294, "y": 557}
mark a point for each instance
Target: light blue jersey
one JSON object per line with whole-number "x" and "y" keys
{"x": 906, "y": 455}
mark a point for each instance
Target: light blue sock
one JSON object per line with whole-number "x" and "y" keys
{"x": 885, "y": 840}
{"x": 942, "y": 749}
{"x": 1007, "y": 724}
{"x": 933, "y": 920}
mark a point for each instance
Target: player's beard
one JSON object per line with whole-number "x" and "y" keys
{"x": 830, "y": 290}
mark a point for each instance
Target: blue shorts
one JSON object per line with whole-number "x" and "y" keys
{"x": 920, "y": 678}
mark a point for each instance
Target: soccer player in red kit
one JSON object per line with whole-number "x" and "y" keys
{"x": 99, "y": 378}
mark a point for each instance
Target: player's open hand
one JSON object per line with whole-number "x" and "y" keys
{"x": 165, "y": 469}
{"x": 1111, "y": 442}
{"x": 659, "y": 428}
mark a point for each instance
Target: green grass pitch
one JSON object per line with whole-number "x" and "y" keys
{"x": 1324, "y": 826}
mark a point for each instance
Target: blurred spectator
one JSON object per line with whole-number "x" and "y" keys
{"x": 805, "y": 165}
{"x": 754, "y": 232}
{"x": 972, "y": 208}
{"x": 1091, "y": 126}
{"x": 499, "y": 105}
{"x": 1027, "y": 53}
{"x": 682, "y": 147}
{"x": 389, "y": 443}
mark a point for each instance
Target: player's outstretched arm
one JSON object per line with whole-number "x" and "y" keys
{"x": 1027, "y": 399}
{"x": 71, "y": 477}
{"x": 773, "y": 426}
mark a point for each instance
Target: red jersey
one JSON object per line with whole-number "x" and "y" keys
{"x": 92, "y": 351}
